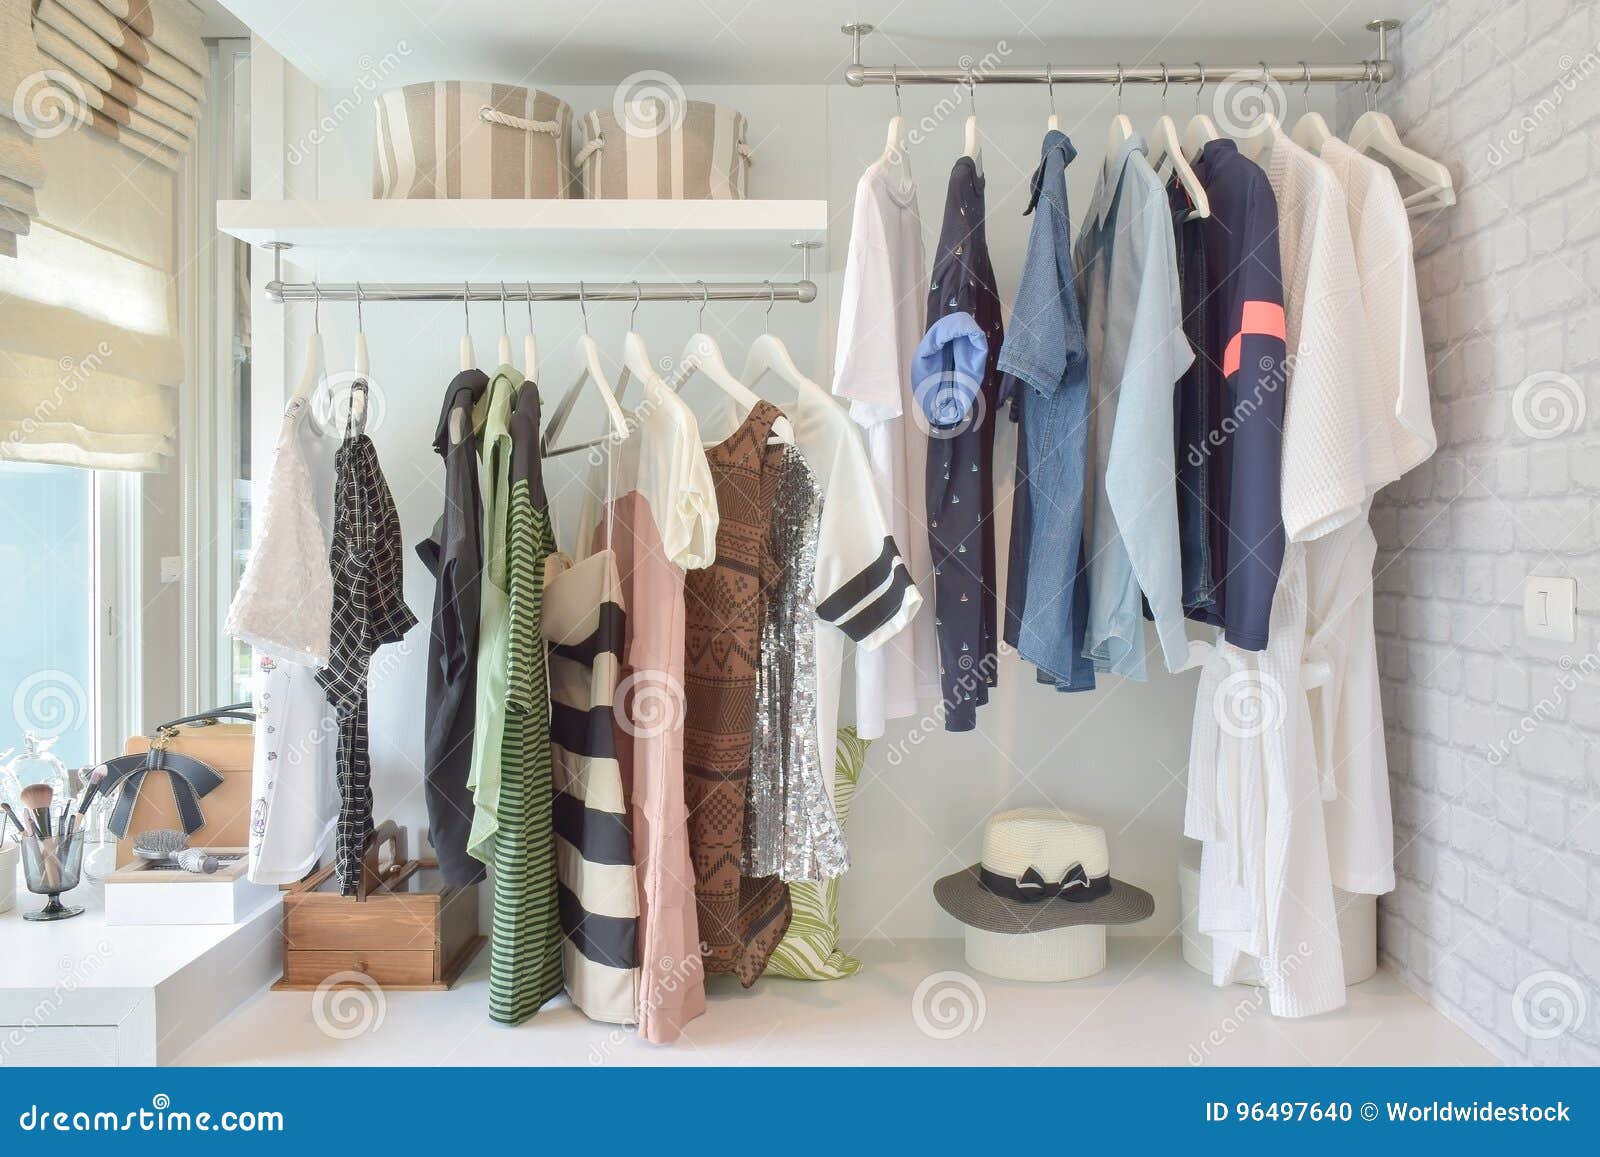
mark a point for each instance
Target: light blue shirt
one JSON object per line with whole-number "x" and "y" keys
{"x": 1127, "y": 276}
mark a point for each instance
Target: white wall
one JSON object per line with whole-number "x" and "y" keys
{"x": 1494, "y": 739}
{"x": 1117, "y": 754}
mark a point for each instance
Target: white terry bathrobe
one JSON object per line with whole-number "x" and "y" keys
{"x": 1256, "y": 785}
{"x": 1346, "y": 708}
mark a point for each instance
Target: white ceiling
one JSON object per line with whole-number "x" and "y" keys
{"x": 784, "y": 41}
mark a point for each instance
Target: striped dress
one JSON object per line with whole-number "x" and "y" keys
{"x": 584, "y": 624}
{"x": 525, "y": 949}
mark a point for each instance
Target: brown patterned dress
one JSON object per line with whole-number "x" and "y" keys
{"x": 742, "y": 919}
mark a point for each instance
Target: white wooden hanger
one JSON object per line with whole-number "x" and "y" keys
{"x": 971, "y": 145}
{"x": 768, "y": 354}
{"x": 469, "y": 360}
{"x": 1310, "y": 131}
{"x": 1266, "y": 132}
{"x": 896, "y": 154}
{"x": 312, "y": 369}
{"x": 703, "y": 355}
{"x": 636, "y": 361}
{"x": 358, "y": 400}
{"x": 1165, "y": 147}
{"x": 1054, "y": 123}
{"x": 1121, "y": 126}
{"x": 502, "y": 355}
{"x": 530, "y": 344}
{"x": 591, "y": 371}
{"x": 1201, "y": 129}
{"x": 1375, "y": 133}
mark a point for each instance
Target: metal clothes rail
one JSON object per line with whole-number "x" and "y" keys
{"x": 1373, "y": 72}
{"x": 804, "y": 290}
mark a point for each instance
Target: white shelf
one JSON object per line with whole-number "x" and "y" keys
{"x": 487, "y": 240}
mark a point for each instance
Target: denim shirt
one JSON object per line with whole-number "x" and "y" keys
{"x": 1127, "y": 265}
{"x": 1047, "y": 380}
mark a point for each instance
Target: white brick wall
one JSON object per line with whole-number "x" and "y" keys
{"x": 1496, "y": 917}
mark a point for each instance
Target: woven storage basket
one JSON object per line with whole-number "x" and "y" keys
{"x": 653, "y": 149}
{"x": 463, "y": 139}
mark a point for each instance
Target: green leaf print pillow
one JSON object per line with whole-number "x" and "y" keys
{"x": 810, "y": 949}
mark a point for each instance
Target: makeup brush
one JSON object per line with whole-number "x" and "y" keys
{"x": 37, "y": 798}
{"x": 11, "y": 814}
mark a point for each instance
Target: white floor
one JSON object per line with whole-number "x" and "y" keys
{"x": 1148, "y": 1007}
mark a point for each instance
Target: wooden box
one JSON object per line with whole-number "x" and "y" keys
{"x": 226, "y": 748}
{"x": 407, "y": 931}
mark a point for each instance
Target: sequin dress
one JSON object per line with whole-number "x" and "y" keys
{"x": 791, "y": 830}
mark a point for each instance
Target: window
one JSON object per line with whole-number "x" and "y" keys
{"x": 216, "y": 399}
{"x": 48, "y": 576}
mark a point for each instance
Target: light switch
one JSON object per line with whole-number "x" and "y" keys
{"x": 171, "y": 568}
{"x": 1550, "y": 608}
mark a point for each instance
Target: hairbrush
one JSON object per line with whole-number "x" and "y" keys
{"x": 159, "y": 844}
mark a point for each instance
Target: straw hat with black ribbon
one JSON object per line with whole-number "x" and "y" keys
{"x": 1037, "y": 904}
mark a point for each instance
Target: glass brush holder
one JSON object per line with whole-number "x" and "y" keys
{"x": 50, "y": 866}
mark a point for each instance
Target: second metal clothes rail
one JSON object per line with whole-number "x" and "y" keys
{"x": 1372, "y": 72}
{"x": 804, "y": 290}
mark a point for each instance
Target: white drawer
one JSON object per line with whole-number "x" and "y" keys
{"x": 93, "y": 1044}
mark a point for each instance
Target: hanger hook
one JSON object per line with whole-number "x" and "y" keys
{"x": 316, "y": 308}
{"x": 894, "y": 73}
{"x": 528, "y": 287}
{"x": 705, "y": 297}
{"x": 505, "y": 326}
{"x": 638, "y": 292}
{"x": 466, "y": 313}
{"x": 1201, "y": 86}
{"x": 1165, "y": 80}
{"x": 972, "y": 92}
{"x": 583, "y": 307}
{"x": 1119, "y": 88}
{"x": 772, "y": 298}
{"x": 1050, "y": 84}
{"x": 1266, "y": 75}
{"x": 1305, "y": 87}
{"x": 360, "y": 297}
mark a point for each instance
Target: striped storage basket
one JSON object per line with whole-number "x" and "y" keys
{"x": 654, "y": 149}
{"x": 463, "y": 139}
